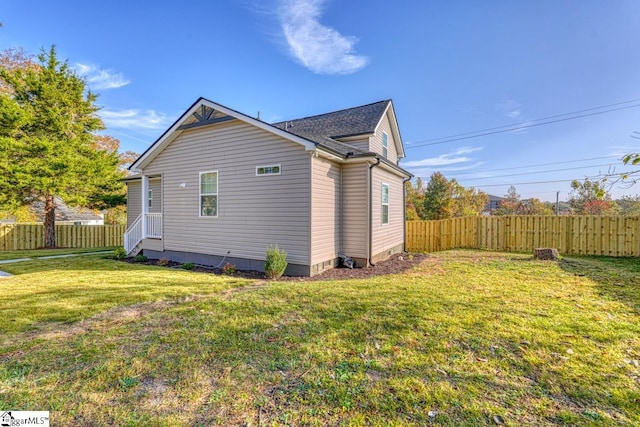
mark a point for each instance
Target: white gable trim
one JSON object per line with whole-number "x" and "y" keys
{"x": 390, "y": 111}
{"x": 173, "y": 132}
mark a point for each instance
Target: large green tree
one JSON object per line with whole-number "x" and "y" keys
{"x": 512, "y": 204}
{"x": 437, "y": 197}
{"x": 445, "y": 198}
{"x": 591, "y": 198}
{"x": 629, "y": 205}
{"x": 467, "y": 201}
{"x": 509, "y": 204}
{"x": 48, "y": 147}
{"x": 414, "y": 200}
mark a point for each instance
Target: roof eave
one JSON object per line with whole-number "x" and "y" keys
{"x": 170, "y": 134}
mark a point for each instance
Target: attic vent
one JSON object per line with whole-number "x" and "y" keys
{"x": 206, "y": 116}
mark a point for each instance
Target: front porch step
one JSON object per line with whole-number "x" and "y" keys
{"x": 136, "y": 250}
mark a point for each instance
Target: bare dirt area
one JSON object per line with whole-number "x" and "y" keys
{"x": 395, "y": 264}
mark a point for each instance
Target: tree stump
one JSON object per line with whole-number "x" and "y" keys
{"x": 546, "y": 254}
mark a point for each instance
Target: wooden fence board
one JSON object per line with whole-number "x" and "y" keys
{"x": 577, "y": 235}
{"x": 31, "y": 236}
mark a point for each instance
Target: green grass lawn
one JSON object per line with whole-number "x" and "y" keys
{"x": 468, "y": 338}
{"x": 5, "y": 255}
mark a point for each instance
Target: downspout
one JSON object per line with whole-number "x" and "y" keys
{"x": 370, "y": 254}
{"x": 404, "y": 212}
{"x": 341, "y": 230}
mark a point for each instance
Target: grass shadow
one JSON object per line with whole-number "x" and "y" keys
{"x": 616, "y": 278}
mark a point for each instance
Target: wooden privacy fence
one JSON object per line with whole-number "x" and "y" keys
{"x": 577, "y": 235}
{"x": 31, "y": 236}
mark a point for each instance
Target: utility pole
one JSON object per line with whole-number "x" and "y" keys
{"x": 557, "y": 202}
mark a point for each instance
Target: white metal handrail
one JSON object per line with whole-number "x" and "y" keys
{"x": 133, "y": 235}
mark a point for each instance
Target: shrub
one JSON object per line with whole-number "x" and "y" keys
{"x": 276, "y": 262}
{"x": 229, "y": 269}
{"x": 140, "y": 258}
{"x": 188, "y": 266}
{"x": 163, "y": 262}
{"x": 119, "y": 253}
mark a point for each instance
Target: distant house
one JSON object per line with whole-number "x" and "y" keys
{"x": 492, "y": 204}
{"x": 65, "y": 215}
{"x": 221, "y": 186}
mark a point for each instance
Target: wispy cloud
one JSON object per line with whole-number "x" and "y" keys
{"x": 100, "y": 79}
{"x": 446, "y": 170}
{"x": 135, "y": 119}
{"x": 511, "y": 108}
{"x": 451, "y": 158}
{"x": 321, "y": 49}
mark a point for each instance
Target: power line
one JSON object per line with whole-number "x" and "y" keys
{"x": 540, "y": 164}
{"x": 537, "y": 172}
{"x": 526, "y": 183}
{"x": 536, "y": 120}
{"x": 521, "y": 125}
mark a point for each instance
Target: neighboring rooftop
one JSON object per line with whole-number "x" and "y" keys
{"x": 65, "y": 213}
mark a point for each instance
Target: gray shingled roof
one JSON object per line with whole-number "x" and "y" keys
{"x": 324, "y": 129}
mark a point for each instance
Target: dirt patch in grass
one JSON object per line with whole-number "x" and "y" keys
{"x": 395, "y": 264}
{"x": 109, "y": 318}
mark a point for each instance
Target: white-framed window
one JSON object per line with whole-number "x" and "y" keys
{"x": 385, "y": 204}
{"x": 150, "y": 199}
{"x": 268, "y": 170}
{"x": 385, "y": 144}
{"x": 209, "y": 194}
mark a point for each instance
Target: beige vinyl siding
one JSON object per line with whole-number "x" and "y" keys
{"x": 134, "y": 201}
{"x": 253, "y": 211}
{"x": 387, "y": 236}
{"x": 355, "y": 217}
{"x": 376, "y": 140}
{"x": 360, "y": 144}
{"x": 325, "y": 208}
{"x": 155, "y": 185}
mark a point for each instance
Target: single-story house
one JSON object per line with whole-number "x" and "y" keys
{"x": 220, "y": 186}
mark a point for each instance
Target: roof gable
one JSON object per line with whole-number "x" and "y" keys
{"x": 395, "y": 129}
{"x": 354, "y": 121}
{"x": 205, "y": 112}
{"x": 323, "y": 130}
{"x": 329, "y": 128}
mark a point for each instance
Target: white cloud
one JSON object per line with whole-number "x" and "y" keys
{"x": 135, "y": 119}
{"x": 455, "y": 157}
{"x": 100, "y": 79}
{"x": 319, "y": 48}
{"x": 511, "y": 108}
{"x": 447, "y": 171}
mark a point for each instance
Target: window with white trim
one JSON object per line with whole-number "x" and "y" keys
{"x": 209, "y": 194}
{"x": 385, "y": 204}
{"x": 150, "y": 199}
{"x": 268, "y": 170}
{"x": 385, "y": 144}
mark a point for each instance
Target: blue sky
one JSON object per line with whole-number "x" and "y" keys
{"x": 450, "y": 67}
